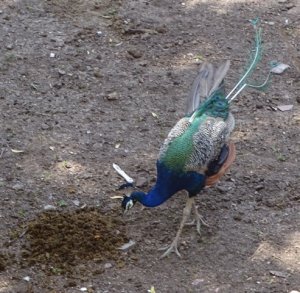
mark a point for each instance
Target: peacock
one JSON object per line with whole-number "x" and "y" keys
{"x": 198, "y": 150}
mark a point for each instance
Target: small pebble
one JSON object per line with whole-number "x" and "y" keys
{"x": 222, "y": 189}
{"x": 108, "y": 265}
{"x": 143, "y": 63}
{"x": 61, "y": 72}
{"x": 97, "y": 73}
{"x": 237, "y": 217}
{"x": 76, "y": 202}
{"x": 18, "y": 186}
{"x": 128, "y": 245}
{"x": 259, "y": 187}
{"x": 135, "y": 53}
{"x": 71, "y": 284}
{"x": 52, "y": 55}
{"x": 9, "y": 46}
{"x": 27, "y": 278}
{"x": 45, "y": 126}
{"x": 60, "y": 42}
{"x": 112, "y": 96}
{"x": 68, "y": 165}
{"x": 197, "y": 282}
{"x": 49, "y": 207}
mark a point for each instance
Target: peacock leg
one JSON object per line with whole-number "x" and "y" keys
{"x": 199, "y": 219}
{"x": 174, "y": 244}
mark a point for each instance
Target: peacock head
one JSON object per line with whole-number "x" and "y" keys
{"x": 129, "y": 201}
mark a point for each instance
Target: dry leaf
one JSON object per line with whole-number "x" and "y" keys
{"x": 285, "y": 107}
{"x": 279, "y": 68}
{"x": 127, "y": 245}
{"x": 17, "y": 151}
{"x": 116, "y": 197}
{"x": 279, "y": 274}
{"x": 152, "y": 290}
{"x": 123, "y": 174}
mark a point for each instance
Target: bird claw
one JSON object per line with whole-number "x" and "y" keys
{"x": 190, "y": 223}
{"x": 169, "y": 249}
{"x": 198, "y": 220}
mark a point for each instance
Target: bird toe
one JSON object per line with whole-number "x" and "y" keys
{"x": 169, "y": 249}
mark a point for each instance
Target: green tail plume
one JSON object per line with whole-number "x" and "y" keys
{"x": 255, "y": 58}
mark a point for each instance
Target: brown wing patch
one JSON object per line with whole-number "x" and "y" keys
{"x": 211, "y": 180}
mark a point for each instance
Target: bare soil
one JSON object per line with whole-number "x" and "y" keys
{"x": 85, "y": 84}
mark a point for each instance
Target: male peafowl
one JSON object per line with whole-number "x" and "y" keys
{"x": 198, "y": 150}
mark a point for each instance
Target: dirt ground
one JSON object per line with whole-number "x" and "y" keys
{"x": 85, "y": 84}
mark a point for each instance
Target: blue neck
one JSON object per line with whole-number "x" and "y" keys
{"x": 154, "y": 197}
{"x": 168, "y": 183}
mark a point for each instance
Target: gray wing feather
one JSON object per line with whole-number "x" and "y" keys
{"x": 219, "y": 76}
{"x": 208, "y": 141}
{"x": 206, "y": 82}
{"x": 179, "y": 128}
{"x": 201, "y": 87}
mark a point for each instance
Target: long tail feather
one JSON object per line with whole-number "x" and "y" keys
{"x": 242, "y": 83}
{"x": 253, "y": 64}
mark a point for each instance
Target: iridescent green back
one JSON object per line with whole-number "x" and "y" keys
{"x": 190, "y": 145}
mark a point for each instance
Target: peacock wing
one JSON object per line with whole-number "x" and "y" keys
{"x": 200, "y": 87}
{"x": 208, "y": 80}
{"x": 208, "y": 141}
{"x": 179, "y": 129}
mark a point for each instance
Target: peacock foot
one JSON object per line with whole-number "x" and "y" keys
{"x": 198, "y": 220}
{"x": 170, "y": 248}
{"x": 186, "y": 215}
